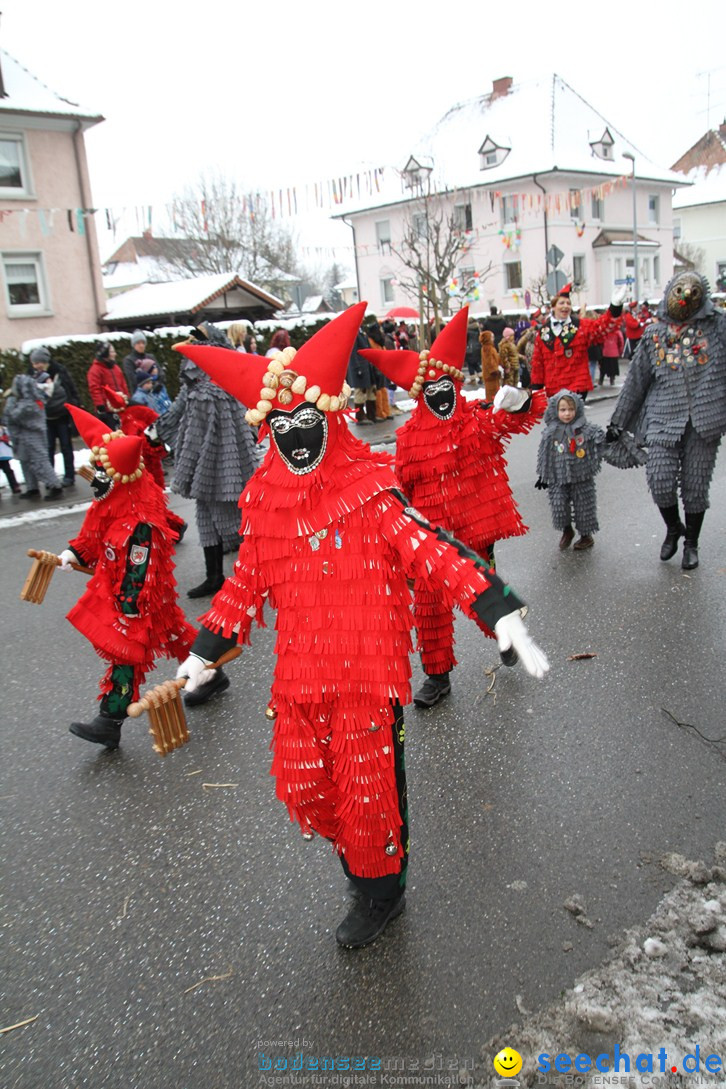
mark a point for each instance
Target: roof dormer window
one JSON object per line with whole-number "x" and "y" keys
{"x": 603, "y": 148}
{"x": 492, "y": 154}
{"x": 415, "y": 174}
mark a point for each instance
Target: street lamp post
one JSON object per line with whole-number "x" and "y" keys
{"x": 629, "y": 155}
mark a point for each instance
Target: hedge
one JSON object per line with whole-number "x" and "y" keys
{"x": 76, "y": 354}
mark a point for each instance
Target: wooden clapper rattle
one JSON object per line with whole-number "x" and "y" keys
{"x": 167, "y": 721}
{"x": 40, "y": 574}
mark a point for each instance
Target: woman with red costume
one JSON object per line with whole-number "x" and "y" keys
{"x": 450, "y": 462}
{"x": 128, "y": 611}
{"x": 560, "y": 360}
{"x": 327, "y": 541}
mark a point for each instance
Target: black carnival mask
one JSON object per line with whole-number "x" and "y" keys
{"x": 440, "y": 397}
{"x": 301, "y": 437}
{"x": 101, "y": 485}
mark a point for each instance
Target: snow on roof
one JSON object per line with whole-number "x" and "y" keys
{"x": 543, "y": 125}
{"x": 24, "y": 93}
{"x": 709, "y": 187}
{"x": 180, "y": 296}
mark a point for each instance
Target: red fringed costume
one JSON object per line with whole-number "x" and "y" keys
{"x": 330, "y": 547}
{"x": 129, "y": 610}
{"x": 453, "y": 469}
{"x": 135, "y": 419}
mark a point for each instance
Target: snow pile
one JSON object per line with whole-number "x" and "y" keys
{"x": 663, "y": 987}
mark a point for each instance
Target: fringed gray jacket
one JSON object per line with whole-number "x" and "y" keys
{"x": 569, "y": 453}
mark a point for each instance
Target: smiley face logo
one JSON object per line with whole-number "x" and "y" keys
{"x": 508, "y": 1062}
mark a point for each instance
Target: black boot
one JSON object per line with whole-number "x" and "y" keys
{"x": 102, "y": 731}
{"x": 218, "y": 683}
{"x": 690, "y": 544}
{"x": 367, "y": 919}
{"x": 213, "y": 560}
{"x": 371, "y": 411}
{"x": 676, "y": 529}
{"x": 360, "y": 415}
{"x": 434, "y": 688}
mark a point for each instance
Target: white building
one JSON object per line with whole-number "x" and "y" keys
{"x": 699, "y": 213}
{"x": 524, "y": 169}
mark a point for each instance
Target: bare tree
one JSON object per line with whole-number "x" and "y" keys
{"x": 221, "y": 228}
{"x": 433, "y": 243}
{"x": 691, "y": 254}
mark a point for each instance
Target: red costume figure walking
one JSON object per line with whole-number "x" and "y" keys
{"x": 140, "y": 420}
{"x": 450, "y": 462}
{"x": 328, "y": 542}
{"x": 560, "y": 359}
{"x": 129, "y": 611}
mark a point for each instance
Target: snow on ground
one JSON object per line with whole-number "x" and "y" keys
{"x": 663, "y": 987}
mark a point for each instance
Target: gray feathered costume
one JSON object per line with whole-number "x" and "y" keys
{"x": 675, "y": 392}
{"x": 214, "y": 456}
{"x": 568, "y": 460}
{"x": 25, "y": 420}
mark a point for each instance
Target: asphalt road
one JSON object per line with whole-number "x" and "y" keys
{"x": 164, "y": 930}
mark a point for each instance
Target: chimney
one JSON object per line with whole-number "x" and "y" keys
{"x": 501, "y": 86}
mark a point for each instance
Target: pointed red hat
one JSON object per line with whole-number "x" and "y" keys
{"x": 119, "y": 454}
{"x": 115, "y": 398}
{"x": 411, "y": 369}
{"x": 315, "y": 373}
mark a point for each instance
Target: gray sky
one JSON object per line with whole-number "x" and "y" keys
{"x": 280, "y": 94}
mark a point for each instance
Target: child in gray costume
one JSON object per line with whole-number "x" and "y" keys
{"x": 25, "y": 420}
{"x": 568, "y": 460}
{"x": 676, "y": 392}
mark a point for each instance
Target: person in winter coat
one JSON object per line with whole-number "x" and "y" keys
{"x": 490, "y": 373}
{"x": 568, "y": 460}
{"x": 496, "y": 324}
{"x": 128, "y": 610}
{"x": 473, "y": 353}
{"x": 25, "y": 420}
{"x": 105, "y": 371}
{"x": 635, "y": 323}
{"x": 144, "y": 390}
{"x": 57, "y": 418}
{"x": 675, "y": 391}
{"x": 509, "y": 358}
{"x": 6, "y": 454}
{"x": 559, "y": 360}
{"x": 214, "y": 457}
{"x": 450, "y": 462}
{"x": 329, "y": 542}
{"x": 612, "y": 349}
{"x": 363, "y": 379}
{"x": 138, "y": 357}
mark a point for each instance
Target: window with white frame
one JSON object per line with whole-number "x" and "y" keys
{"x": 462, "y": 217}
{"x": 387, "y": 289}
{"x": 598, "y": 208}
{"x": 25, "y": 290}
{"x": 676, "y": 229}
{"x": 578, "y": 270}
{"x": 513, "y": 275}
{"x": 656, "y": 269}
{"x": 575, "y": 204}
{"x": 509, "y": 213}
{"x": 14, "y": 177}
{"x": 383, "y": 235}
{"x": 653, "y": 210}
{"x": 420, "y": 225}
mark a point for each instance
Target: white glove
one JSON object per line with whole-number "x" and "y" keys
{"x": 511, "y": 632}
{"x": 67, "y": 557}
{"x": 509, "y": 399}
{"x": 197, "y": 671}
{"x": 618, "y": 296}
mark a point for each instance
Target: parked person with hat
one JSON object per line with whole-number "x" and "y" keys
{"x": 329, "y": 543}
{"x": 559, "y": 360}
{"x": 58, "y": 421}
{"x": 137, "y": 357}
{"x": 450, "y": 462}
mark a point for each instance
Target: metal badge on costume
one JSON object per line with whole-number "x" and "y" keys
{"x": 300, "y": 437}
{"x": 440, "y": 398}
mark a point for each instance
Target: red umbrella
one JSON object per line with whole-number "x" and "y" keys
{"x": 402, "y": 312}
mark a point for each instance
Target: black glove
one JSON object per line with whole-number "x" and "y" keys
{"x": 613, "y": 433}
{"x": 541, "y": 484}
